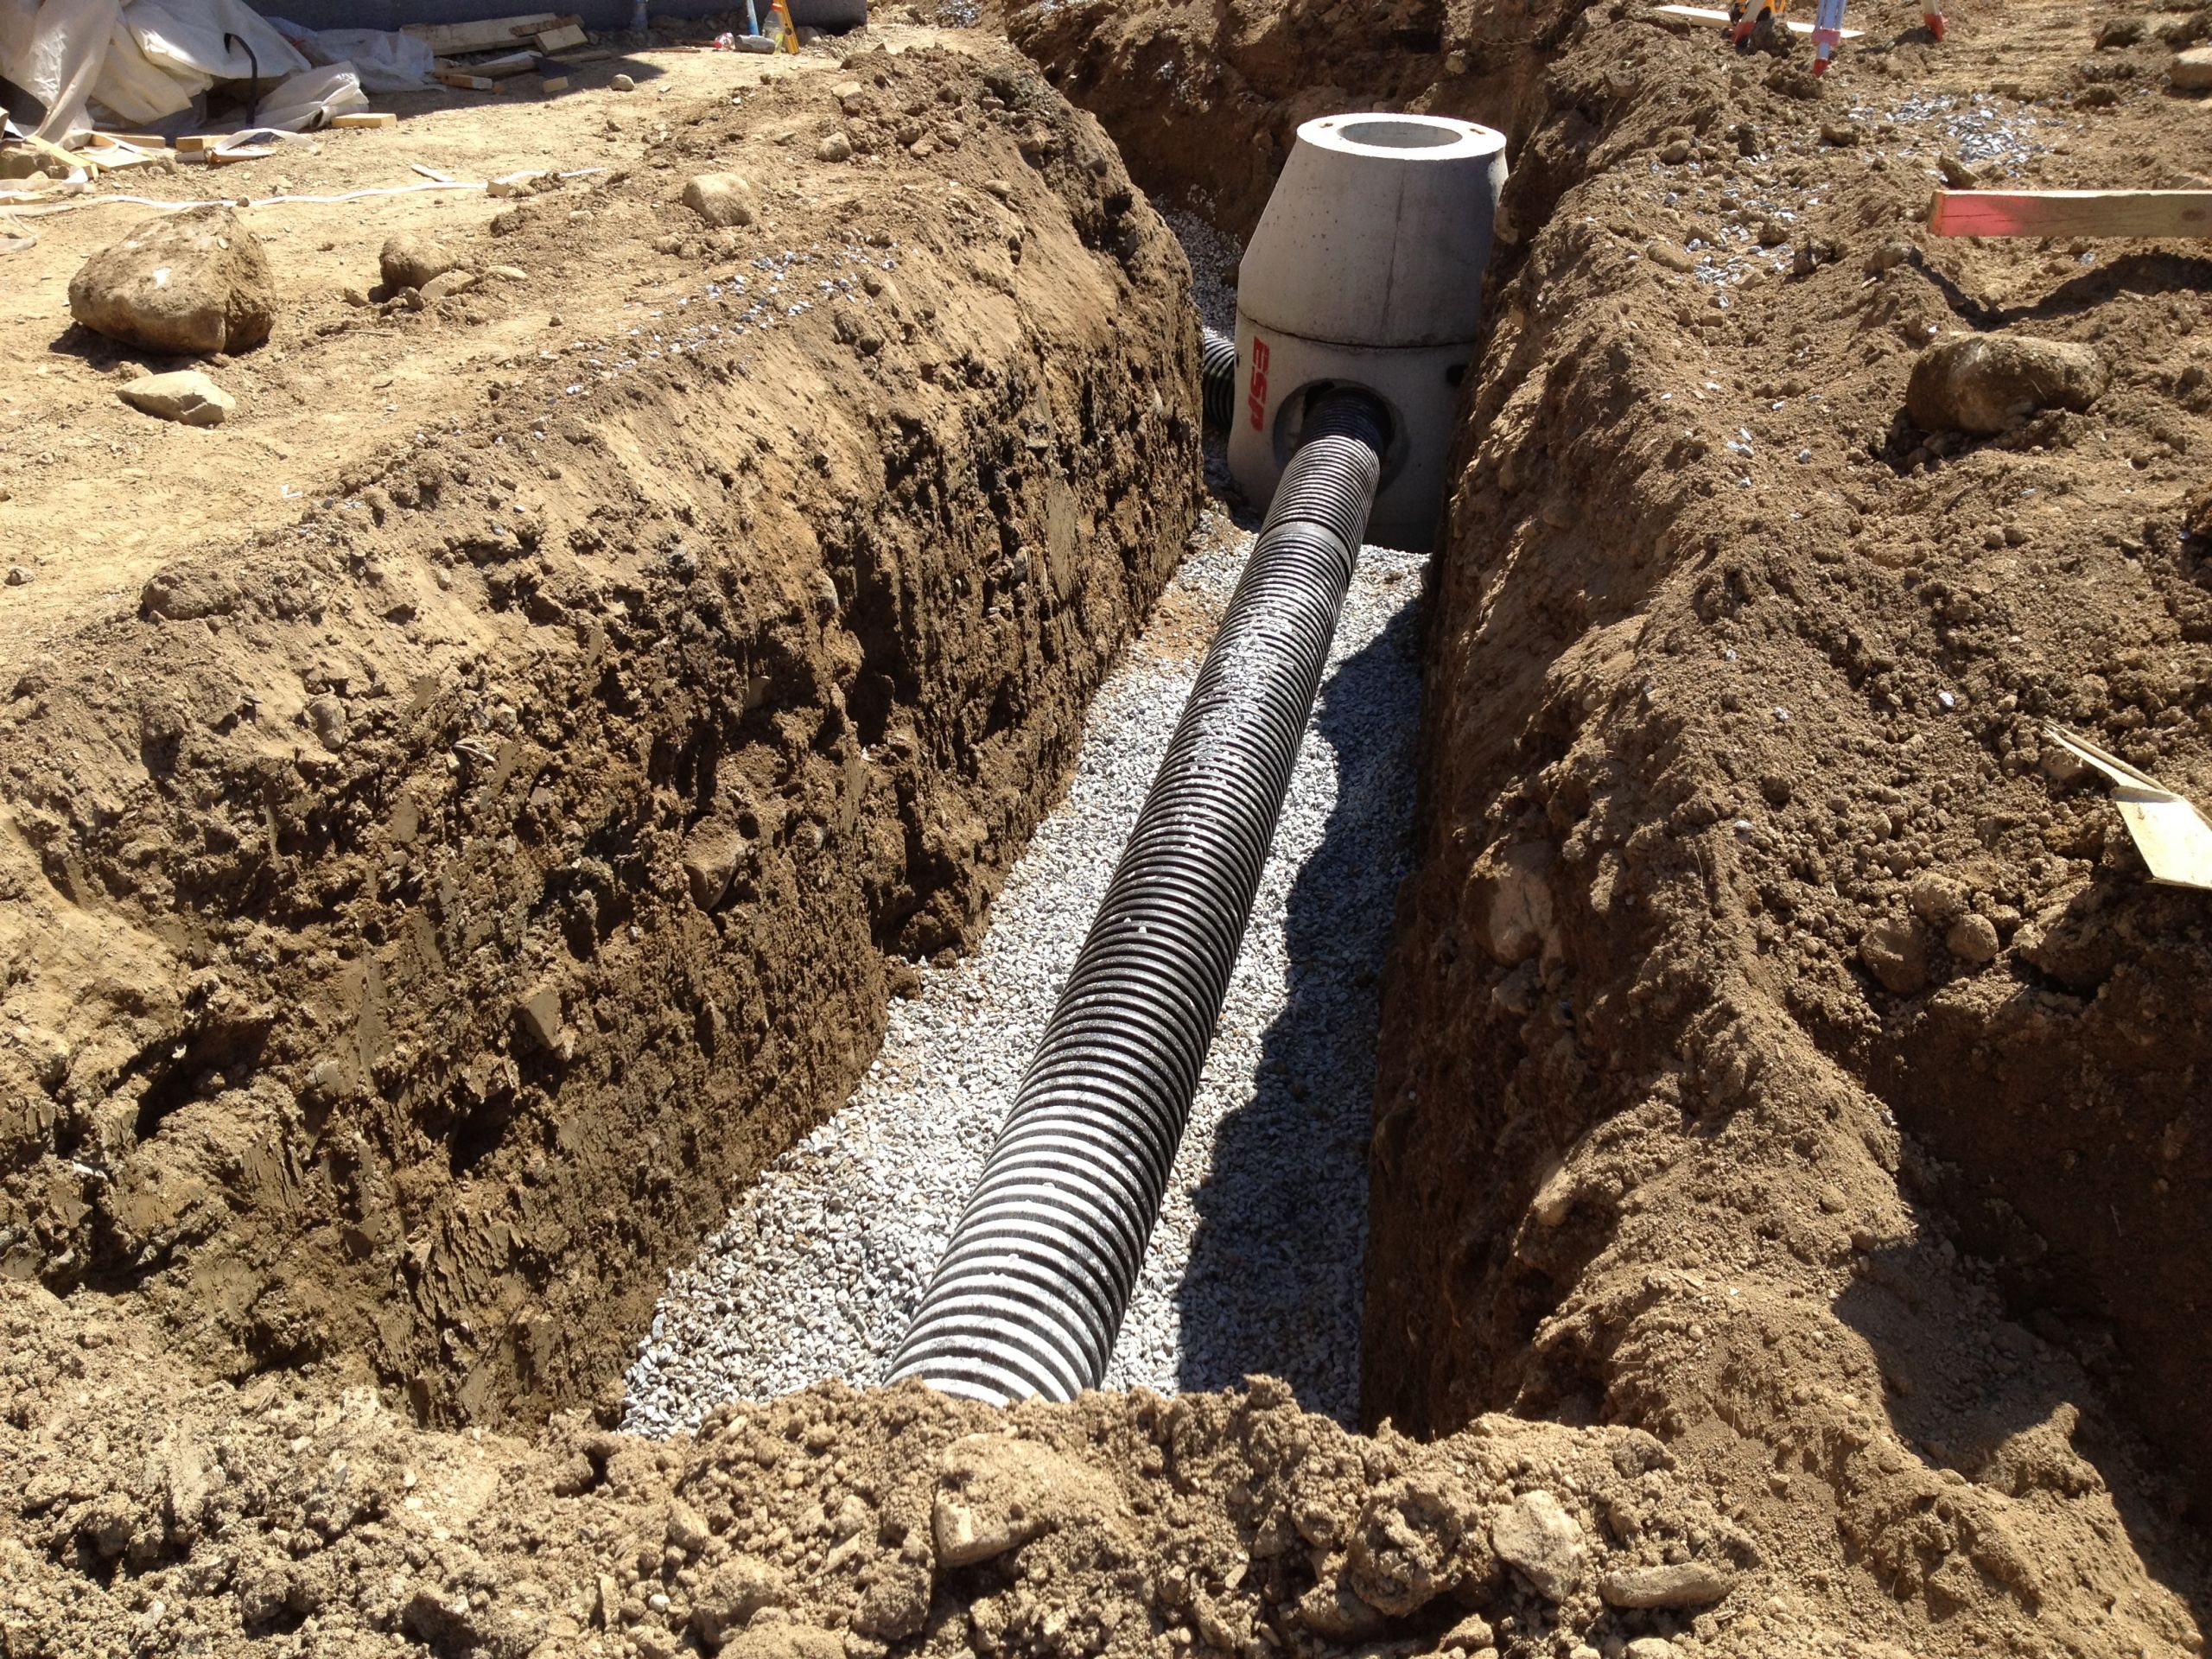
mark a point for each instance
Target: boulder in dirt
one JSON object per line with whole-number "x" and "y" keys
{"x": 720, "y": 199}
{"x": 786, "y": 1642}
{"x": 2192, "y": 70}
{"x": 996, "y": 1493}
{"x": 738, "y": 1589}
{"x": 1534, "y": 1533}
{"x": 1972, "y": 939}
{"x": 1681, "y": 1584}
{"x": 413, "y": 260}
{"x": 1895, "y": 952}
{"x": 187, "y": 397}
{"x": 192, "y": 283}
{"x": 1991, "y": 383}
{"x": 1413, "y": 1542}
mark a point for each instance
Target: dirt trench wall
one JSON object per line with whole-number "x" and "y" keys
{"x": 1205, "y": 101}
{"x": 1782, "y": 1051}
{"x": 418, "y": 924}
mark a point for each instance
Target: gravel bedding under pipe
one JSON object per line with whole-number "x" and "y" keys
{"x": 1255, "y": 1264}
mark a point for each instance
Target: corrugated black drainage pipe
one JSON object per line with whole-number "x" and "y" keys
{"x": 1031, "y": 1292}
{"x": 1216, "y": 375}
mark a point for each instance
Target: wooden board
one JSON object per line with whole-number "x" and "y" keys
{"x": 196, "y": 143}
{"x": 364, "y": 118}
{"x": 466, "y": 83}
{"x": 2072, "y": 213}
{"x": 451, "y": 40}
{"x": 1714, "y": 15}
{"x": 554, "y": 84}
{"x": 513, "y": 63}
{"x": 561, "y": 39}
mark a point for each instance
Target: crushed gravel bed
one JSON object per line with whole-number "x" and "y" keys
{"x": 1255, "y": 1264}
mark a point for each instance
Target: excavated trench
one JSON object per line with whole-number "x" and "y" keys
{"x": 1711, "y": 1256}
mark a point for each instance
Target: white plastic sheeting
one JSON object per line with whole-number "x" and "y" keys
{"x": 384, "y": 62}
{"x": 133, "y": 61}
{"x": 306, "y": 101}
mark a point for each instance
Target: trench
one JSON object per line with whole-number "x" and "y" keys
{"x": 1255, "y": 1264}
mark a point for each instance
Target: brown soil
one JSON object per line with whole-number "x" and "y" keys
{"x": 425, "y": 911}
{"x": 1813, "y": 1267}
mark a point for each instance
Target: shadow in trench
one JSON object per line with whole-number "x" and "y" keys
{"x": 1273, "y": 1285}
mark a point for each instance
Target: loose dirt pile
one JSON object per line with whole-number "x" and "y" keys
{"x": 1786, "y": 1051}
{"x": 423, "y": 918}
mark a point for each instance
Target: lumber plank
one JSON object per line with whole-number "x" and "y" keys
{"x": 2143, "y": 213}
{"x": 561, "y": 39}
{"x": 513, "y": 63}
{"x": 365, "y": 119}
{"x": 1714, "y": 15}
{"x": 195, "y": 143}
{"x": 462, "y": 83}
{"x": 451, "y": 40}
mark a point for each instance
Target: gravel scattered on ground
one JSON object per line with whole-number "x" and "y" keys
{"x": 1255, "y": 1264}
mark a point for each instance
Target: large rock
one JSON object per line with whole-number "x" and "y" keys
{"x": 1537, "y": 1536}
{"x": 996, "y": 1493}
{"x": 185, "y": 284}
{"x": 1685, "y": 1583}
{"x": 1895, "y": 950}
{"x": 2192, "y": 70}
{"x": 1991, "y": 383}
{"x": 1416, "y": 1538}
{"x": 187, "y": 396}
{"x": 412, "y": 260}
{"x": 720, "y": 199}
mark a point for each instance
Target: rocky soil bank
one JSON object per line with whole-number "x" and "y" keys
{"x": 1786, "y": 1051}
{"x": 417, "y": 922}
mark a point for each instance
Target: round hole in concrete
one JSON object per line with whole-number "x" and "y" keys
{"x": 1398, "y": 135}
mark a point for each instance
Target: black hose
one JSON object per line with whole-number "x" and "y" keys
{"x": 1216, "y": 375}
{"x": 1032, "y": 1287}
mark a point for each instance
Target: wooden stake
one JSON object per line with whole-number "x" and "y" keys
{"x": 2142, "y": 214}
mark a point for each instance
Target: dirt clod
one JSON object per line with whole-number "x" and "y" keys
{"x": 185, "y": 396}
{"x": 414, "y": 260}
{"x": 721, "y": 199}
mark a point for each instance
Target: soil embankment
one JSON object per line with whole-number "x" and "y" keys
{"x": 423, "y": 918}
{"x": 1785, "y": 1051}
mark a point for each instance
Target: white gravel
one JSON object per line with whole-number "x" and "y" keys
{"x": 1256, "y": 1265}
